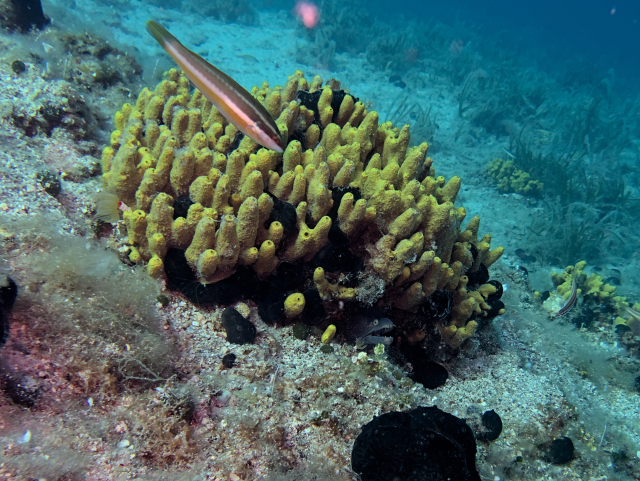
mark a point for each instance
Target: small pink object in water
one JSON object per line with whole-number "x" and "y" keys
{"x": 308, "y": 13}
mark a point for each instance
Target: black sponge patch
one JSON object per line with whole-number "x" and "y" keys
{"x": 492, "y": 424}
{"x": 8, "y": 295}
{"x": 560, "y": 451}
{"x": 284, "y": 213}
{"x": 423, "y": 444}
{"x": 239, "y": 330}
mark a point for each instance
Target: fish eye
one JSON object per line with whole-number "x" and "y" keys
{"x": 375, "y": 322}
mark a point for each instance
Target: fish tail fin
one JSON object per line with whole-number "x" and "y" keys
{"x": 107, "y": 207}
{"x": 161, "y": 34}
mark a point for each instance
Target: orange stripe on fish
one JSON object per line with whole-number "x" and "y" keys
{"x": 233, "y": 101}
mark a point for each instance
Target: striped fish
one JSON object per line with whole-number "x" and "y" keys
{"x": 571, "y": 301}
{"x": 236, "y": 104}
{"x": 633, "y": 313}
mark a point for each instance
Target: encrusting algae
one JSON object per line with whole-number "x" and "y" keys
{"x": 345, "y": 181}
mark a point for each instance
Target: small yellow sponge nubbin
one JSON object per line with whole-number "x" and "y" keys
{"x": 328, "y": 334}
{"x": 293, "y": 305}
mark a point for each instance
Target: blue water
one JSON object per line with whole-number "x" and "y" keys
{"x": 561, "y": 29}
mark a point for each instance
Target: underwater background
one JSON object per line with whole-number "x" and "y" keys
{"x": 429, "y": 271}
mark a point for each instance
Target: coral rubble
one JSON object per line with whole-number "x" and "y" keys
{"x": 347, "y": 199}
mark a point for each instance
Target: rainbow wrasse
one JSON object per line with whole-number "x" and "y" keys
{"x": 571, "y": 301}
{"x": 633, "y": 313}
{"x": 234, "y": 102}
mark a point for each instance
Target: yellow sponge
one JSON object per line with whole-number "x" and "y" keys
{"x": 328, "y": 334}
{"x": 293, "y": 305}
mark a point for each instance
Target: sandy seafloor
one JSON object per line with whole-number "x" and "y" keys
{"x": 544, "y": 378}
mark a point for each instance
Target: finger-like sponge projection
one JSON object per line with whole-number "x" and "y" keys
{"x": 348, "y": 199}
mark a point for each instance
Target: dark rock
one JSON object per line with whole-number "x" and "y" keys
{"x": 8, "y": 295}
{"x": 428, "y": 373}
{"x": 620, "y": 329}
{"x": 424, "y": 444}
{"x": 163, "y": 300}
{"x": 107, "y": 75}
{"x": 301, "y": 331}
{"x": 50, "y": 182}
{"x": 21, "y": 389}
{"x": 228, "y": 360}
{"x": 492, "y": 426}
{"x": 560, "y": 451}
{"x": 326, "y": 349}
{"x": 239, "y": 330}
{"x": 18, "y": 66}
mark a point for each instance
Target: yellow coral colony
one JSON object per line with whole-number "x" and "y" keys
{"x": 592, "y": 285}
{"x": 174, "y": 143}
{"x": 511, "y": 179}
{"x": 592, "y": 288}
